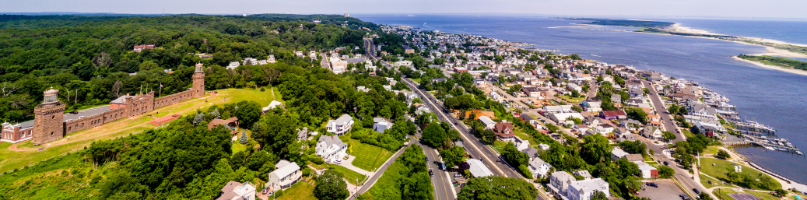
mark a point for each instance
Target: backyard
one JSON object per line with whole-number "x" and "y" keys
{"x": 368, "y": 157}
{"x": 301, "y": 191}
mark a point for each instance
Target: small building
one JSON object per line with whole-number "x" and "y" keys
{"x": 583, "y": 173}
{"x": 477, "y": 168}
{"x": 582, "y": 190}
{"x": 341, "y": 125}
{"x": 140, "y": 48}
{"x": 302, "y": 134}
{"x": 559, "y": 183}
{"x": 286, "y": 174}
{"x": 237, "y": 191}
{"x": 618, "y": 153}
{"x": 538, "y": 167}
{"x": 647, "y": 170}
{"x": 380, "y": 124}
{"x": 231, "y": 123}
{"x": 331, "y": 149}
{"x": 652, "y": 132}
{"x": 489, "y": 123}
{"x": 613, "y": 114}
{"x": 634, "y": 157}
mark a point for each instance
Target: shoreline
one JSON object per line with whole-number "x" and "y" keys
{"x": 773, "y": 67}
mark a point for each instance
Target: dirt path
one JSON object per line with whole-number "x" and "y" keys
{"x": 66, "y": 141}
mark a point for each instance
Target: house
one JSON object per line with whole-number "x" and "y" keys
{"x": 709, "y": 129}
{"x": 631, "y": 124}
{"x": 544, "y": 147}
{"x": 559, "y": 182}
{"x": 558, "y": 109}
{"x": 592, "y": 106}
{"x": 647, "y": 170}
{"x": 477, "y": 168}
{"x": 604, "y": 129}
{"x": 580, "y": 128}
{"x": 540, "y": 93}
{"x": 337, "y": 66}
{"x": 302, "y": 134}
{"x": 626, "y": 137}
{"x": 237, "y": 191}
{"x": 272, "y": 105}
{"x": 231, "y": 123}
{"x": 583, "y": 173}
{"x": 618, "y": 153}
{"x": 331, "y": 149}
{"x": 582, "y": 190}
{"x": 286, "y": 173}
{"x": 233, "y": 65}
{"x": 140, "y": 48}
{"x": 702, "y": 110}
{"x": 613, "y": 114}
{"x": 538, "y": 167}
{"x": 422, "y": 109}
{"x": 563, "y": 117}
{"x": 652, "y": 132}
{"x": 341, "y": 125}
{"x": 616, "y": 98}
{"x": 489, "y": 123}
{"x": 531, "y": 152}
{"x": 634, "y": 157}
{"x": 380, "y": 124}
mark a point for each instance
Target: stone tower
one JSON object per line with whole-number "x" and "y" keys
{"x": 199, "y": 81}
{"x": 48, "y": 119}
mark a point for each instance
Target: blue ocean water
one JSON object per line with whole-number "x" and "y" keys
{"x": 769, "y": 96}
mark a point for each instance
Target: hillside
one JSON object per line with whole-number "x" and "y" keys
{"x": 92, "y": 57}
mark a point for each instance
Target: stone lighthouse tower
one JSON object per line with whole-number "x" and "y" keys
{"x": 199, "y": 81}
{"x": 48, "y": 119}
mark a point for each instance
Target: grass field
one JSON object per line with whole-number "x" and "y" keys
{"x": 705, "y": 183}
{"x": 722, "y": 167}
{"x": 387, "y": 187}
{"x": 368, "y": 157}
{"x": 710, "y": 150}
{"x": 300, "y": 191}
{"x": 724, "y": 194}
{"x": 10, "y": 160}
{"x": 572, "y": 99}
{"x": 351, "y": 176}
{"x": 499, "y": 145}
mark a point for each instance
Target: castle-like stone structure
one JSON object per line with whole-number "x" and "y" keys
{"x": 51, "y": 123}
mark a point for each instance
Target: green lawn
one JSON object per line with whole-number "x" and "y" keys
{"x": 300, "y": 191}
{"x": 351, "y": 176}
{"x": 416, "y": 80}
{"x": 722, "y": 167}
{"x": 368, "y": 157}
{"x": 387, "y": 187}
{"x": 763, "y": 195}
{"x": 724, "y": 194}
{"x": 572, "y": 99}
{"x": 687, "y": 133}
{"x": 499, "y": 145}
{"x": 706, "y": 184}
{"x": 521, "y": 134}
{"x": 710, "y": 150}
{"x": 277, "y": 96}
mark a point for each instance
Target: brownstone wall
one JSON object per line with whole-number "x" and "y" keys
{"x": 48, "y": 122}
{"x": 93, "y": 121}
{"x": 173, "y": 99}
{"x": 139, "y": 104}
{"x": 198, "y": 84}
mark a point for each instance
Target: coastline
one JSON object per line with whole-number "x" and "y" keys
{"x": 769, "y": 51}
{"x": 763, "y": 65}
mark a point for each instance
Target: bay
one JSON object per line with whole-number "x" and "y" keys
{"x": 770, "y": 97}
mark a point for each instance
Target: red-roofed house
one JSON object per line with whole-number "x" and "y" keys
{"x": 613, "y": 114}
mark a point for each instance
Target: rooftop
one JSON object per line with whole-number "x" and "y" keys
{"x": 86, "y": 113}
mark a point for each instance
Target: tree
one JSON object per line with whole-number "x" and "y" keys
{"x": 665, "y": 171}
{"x": 704, "y": 196}
{"x": 780, "y": 192}
{"x": 723, "y": 154}
{"x": 244, "y": 138}
{"x": 598, "y": 195}
{"x": 496, "y": 187}
{"x": 637, "y": 114}
{"x": 248, "y": 112}
{"x": 577, "y": 108}
{"x": 434, "y": 135}
{"x": 669, "y": 136}
{"x": 199, "y": 118}
{"x": 331, "y": 186}
{"x": 452, "y": 157}
{"x": 595, "y": 149}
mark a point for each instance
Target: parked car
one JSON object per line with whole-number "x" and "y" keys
{"x": 651, "y": 184}
{"x": 666, "y": 163}
{"x": 696, "y": 190}
{"x": 457, "y": 175}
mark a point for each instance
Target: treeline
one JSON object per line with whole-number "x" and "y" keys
{"x": 625, "y": 22}
{"x": 90, "y": 62}
{"x": 782, "y": 62}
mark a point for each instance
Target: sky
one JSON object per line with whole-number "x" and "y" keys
{"x": 783, "y": 9}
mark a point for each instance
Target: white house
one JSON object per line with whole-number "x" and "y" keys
{"x": 235, "y": 190}
{"x": 562, "y": 117}
{"x": 646, "y": 170}
{"x": 286, "y": 174}
{"x": 618, "y": 153}
{"x": 559, "y": 183}
{"x": 489, "y": 123}
{"x": 380, "y": 124}
{"x": 538, "y": 167}
{"x": 651, "y": 132}
{"x": 477, "y": 168}
{"x": 582, "y": 190}
{"x": 341, "y": 125}
{"x": 558, "y": 109}
{"x": 331, "y": 149}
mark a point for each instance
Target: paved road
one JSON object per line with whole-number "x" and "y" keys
{"x": 369, "y": 184}
{"x": 474, "y": 147}
{"x": 441, "y": 180}
{"x": 666, "y": 118}
{"x": 681, "y": 174}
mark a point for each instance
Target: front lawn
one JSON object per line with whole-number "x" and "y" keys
{"x": 387, "y": 187}
{"x": 368, "y": 157}
{"x": 722, "y": 167}
{"x": 351, "y": 176}
{"x": 300, "y": 191}
{"x": 499, "y": 145}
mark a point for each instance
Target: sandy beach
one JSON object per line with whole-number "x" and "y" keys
{"x": 769, "y": 51}
{"x": 759, "y": 64}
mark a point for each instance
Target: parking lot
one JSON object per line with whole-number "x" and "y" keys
{"x": 667, "y": 190}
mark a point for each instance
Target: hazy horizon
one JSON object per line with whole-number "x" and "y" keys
{"x": 734, "y": 9}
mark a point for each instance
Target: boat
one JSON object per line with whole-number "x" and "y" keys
{"x": 769, "y": 148}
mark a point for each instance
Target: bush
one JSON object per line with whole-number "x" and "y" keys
{"x": 263, "y": 89}
{"x": 723, "y": 154}
{"x": 307, "y": 171}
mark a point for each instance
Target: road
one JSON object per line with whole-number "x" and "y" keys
{"x": 681, "y": 174}
{"x": 441, "y": 180}
{"x": 369, "y": 184}
{"x": 666, "y": 118}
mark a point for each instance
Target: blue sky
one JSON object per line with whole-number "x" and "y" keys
{"x": 793, "y": 9}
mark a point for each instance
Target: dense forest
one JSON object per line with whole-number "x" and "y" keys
{"x": 91, "y": 61}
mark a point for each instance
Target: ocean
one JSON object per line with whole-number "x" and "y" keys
{"x": 768, "y": 96}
